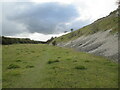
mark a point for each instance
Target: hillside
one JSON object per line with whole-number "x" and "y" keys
{"x": 99, "y": 38}
{"x": 102, "y": 24}
{"x": 45, "y": 66}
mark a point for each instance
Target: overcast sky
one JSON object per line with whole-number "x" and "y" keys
{"x": 42, "y": 19}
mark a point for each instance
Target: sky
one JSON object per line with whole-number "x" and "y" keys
{"x": 43, "y": 19}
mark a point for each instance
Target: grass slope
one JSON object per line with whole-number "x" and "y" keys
{"x": 102, "y": 24}
{"x": 44, "y": 66}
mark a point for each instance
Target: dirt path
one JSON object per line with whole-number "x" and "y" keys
{"x": 33, "y": 78}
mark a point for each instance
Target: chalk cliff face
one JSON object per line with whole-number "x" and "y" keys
{"x": 100, "y": 43}
{"x": 99, "y": 38}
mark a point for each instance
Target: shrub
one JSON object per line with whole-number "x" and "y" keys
{"x": 54, "y": 43}
{"x": 13, "y": 66}
{"x": 80, "y": 67}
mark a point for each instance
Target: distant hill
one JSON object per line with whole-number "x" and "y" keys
{"x": 7, "y": 40}
{"x": 99, "y": 38}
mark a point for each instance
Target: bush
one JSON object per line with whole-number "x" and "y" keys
{"x": 50, "y": 62}
{"x": 54, "y": 43}
{"x": 13, "y": 66}
{"x": 80, "y": 67}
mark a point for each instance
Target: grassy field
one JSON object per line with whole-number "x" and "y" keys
{"x": 44, "y": 66}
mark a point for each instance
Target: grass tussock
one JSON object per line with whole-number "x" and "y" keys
{"x": 74, "y": 60}
{"x": 13, "y": 66}
{"x": 29, "y": 66}
{"x": 80, "y": 67}
{"x": 54, "y": 61}
{"x": 87, "y": 61}
{"x": 18, "y": 61}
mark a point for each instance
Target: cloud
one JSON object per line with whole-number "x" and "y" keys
{"x": 11, "y": 28}
{"x": 0, "y": 19}
{"x": 37, "y": 36}
{"x": 46, "y": 18}
{"x": 50, "y": 17}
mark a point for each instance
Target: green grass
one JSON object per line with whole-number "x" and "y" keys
{"x": 102, "y": 24}
{"x": 44, "y": 66}
{"x": 13, "y": 66}
{"x": 0, "y": 66}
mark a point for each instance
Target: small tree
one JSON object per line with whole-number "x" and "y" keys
{"x": 49, "y": 40}
{"x": 72, "y": 30}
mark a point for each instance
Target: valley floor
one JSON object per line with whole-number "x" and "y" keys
{"x": 45, "y": 66}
